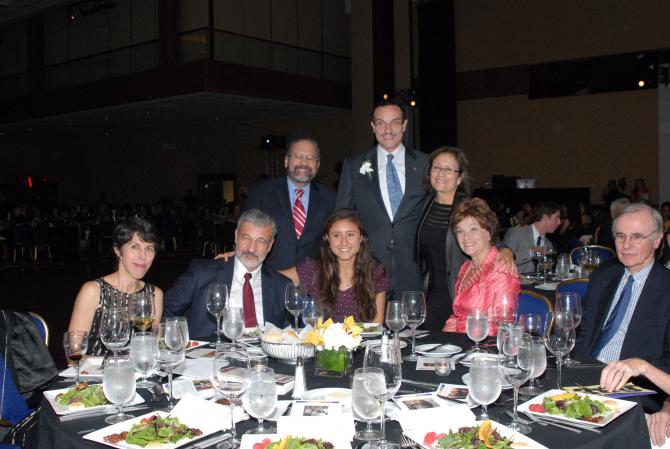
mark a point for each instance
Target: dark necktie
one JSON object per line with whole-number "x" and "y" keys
{"x": 299, "y": 215}
{"x": 616, "y": 317}
{"x": 539, "y": 240}
{"x": 248, "y": 303}
{"x": 393, "y": 185}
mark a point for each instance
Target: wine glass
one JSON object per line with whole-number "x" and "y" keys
{"x": 516, "y": 368}
{"x": 141, "y": 310}
{"x": 294, "y": 302}
{"x": 503, "y": 308}
{"x": 539, "y": 366}
{"x": 312, "y": 311}
{"x": 75, "y": 344}
{"x": 537, "y": 252}
{"x": 178, "y": 334}
{"x": 477, "y": 328}
{"x": 260, "y": 400}
{"x": 115, "y": 328}
{"x": 118, "y": 384}
{"x": 385, "y": 375}
{"x": 144, "y": 352}
{"x": 233, "y": 323}
{"x": 414, "y": 308}
{"x": 531, "y": 323}
{"x": 559, "y": 337}
{"x": 588, "y": 260}
{"x": 570, "y": 302}
{"x": 171, "y": 351}
{"x": 230, "y": 377}
{"x": 395, "y": 318}
{"x": 502, "y": 329}
{"x": 365, "y": 405}
{"x": 217, "y": 298}
{"x": 485, "y": 384}
{"x": 510, "y": 339}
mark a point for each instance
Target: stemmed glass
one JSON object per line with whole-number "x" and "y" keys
{"x": 516, "y": 367}
{"x": 539, "y": 366}
{"x": 293, "y": 300}
{"x": 385, "y": 375}
{"x": 365, "y": 405}
{"x": 531, "y": 323}
{"x": 537, "y": 253}
{"x": 181, "y": 337}
{"x": 233, "y": 323}
{"x": 171, "y": 350}
{"x": 414, "y": 313}
{"x": 503, "y": 309}
{"x": 559, "y": 337}
{"x": 141, "y": 310}
{"x": 115, "y": 328}
{"x": 477, "y": 328}
{"x": 75, "y": 344}
{"x": 312, "y": 311}
{"x": 395, "y": 318}
{"x": 217, "y": 298}
{"x": 231, "y": 377}
{"x": 509, "y": 339}
{"x": 570, "y": 302}
{"x": 144, "y": 352}
{"x": 118, "y": 384}
{"x": 546, "y": 262}
{"x": 588, "y": 260}
{"x": 260, "y": 400}
{"x": 485, "y": 384}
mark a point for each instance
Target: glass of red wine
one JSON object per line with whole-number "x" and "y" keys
{"x": 75, "y": 344}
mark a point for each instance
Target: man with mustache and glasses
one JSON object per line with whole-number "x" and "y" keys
{"x": 298, "y": 204}
{"x": 257, "y": 289}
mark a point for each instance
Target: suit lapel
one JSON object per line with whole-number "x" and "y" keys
{"x": 313, "y": 207}
{"x": 266, "y": 285}
{"x": 412, "y": 180}
{"x": 224, "y": 275}
{"x": 608, "y": 290}
{"x": 283, "y": 197}
{"x": 645, "y": 309}
{"x": 374, "y": 182}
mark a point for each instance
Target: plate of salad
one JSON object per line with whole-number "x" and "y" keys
{"x": 576, "y": 408}
{"x": 371, "y": 329}
{"x": 84, "y": 396}
{"x": 275, "y": 441}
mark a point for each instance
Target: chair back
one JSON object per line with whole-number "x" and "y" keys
{"x": 14, "y": 405}
{"x": 531, "y": 302}
{"x": 42, "y": 326}
{"x": 579, "y": 286}
{"x": 603, "y": 252}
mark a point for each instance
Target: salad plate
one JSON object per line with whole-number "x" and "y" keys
{"x": 560, "y": 405}
{"x": 403, "y": 343}
{"x": 91, "y": 396}
{"x": 271, "y": 441}
{"x": 438, "y": 350}
{"x": 372, "y": 330}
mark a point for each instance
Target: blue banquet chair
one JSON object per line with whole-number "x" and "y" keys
{"x": 531, "y": 302}
{"x": 579, "y": 286}
{"x": 42, "y": 326}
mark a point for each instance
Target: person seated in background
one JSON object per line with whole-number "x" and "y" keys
{"x": 640, "y": 192}
{"x": 522, "y": 240}
{"x": 475, "y": 226}
{"x": 603, "y": 234}
{"x": 134, "y": 243}
{"x": 348, "y": 280}
{"x": 255, "y": 288}
{"x": 665, "y": 213}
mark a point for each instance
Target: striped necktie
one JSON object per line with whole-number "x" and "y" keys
{"x": 393, "y": 185}
{"x": 299, "y": 215}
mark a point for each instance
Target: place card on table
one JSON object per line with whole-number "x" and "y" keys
{"x": 317, "y": 419}
{"x": 201, "y": 388}
{"x": 420, "y": 401}
{"x": 628, "y": 390}
{"x": 200, "y": 353}
{"x": 453, "y": 392}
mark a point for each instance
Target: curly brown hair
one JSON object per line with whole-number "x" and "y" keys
{"x": 363, "y": 284}
{"x": 480, "y": 211}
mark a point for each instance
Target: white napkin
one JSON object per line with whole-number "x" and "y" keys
{"x": 339, "y": 427}
{"x": 196, "y": 368}
{"x": 434, "y": 418}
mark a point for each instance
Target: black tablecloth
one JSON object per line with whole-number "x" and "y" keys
{"x": 626, "y": 432}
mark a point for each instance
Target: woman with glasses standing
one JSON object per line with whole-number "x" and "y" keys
{"x": 439, "y": 256}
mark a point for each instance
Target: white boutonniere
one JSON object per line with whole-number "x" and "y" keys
{"x": 366, "y": 169}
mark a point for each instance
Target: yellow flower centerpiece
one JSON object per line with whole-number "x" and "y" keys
{"x": 334, "y": 343}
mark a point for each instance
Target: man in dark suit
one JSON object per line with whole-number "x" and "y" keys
{"x": 286, "y": 199}
{"x": 255, "y": 288}
{"x": 627, "y": 304}
{"x": 384, "y": 185}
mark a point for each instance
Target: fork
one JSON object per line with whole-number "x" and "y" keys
{"x": 404, "y": 440}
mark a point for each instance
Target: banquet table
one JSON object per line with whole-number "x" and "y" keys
{"x": 625, "y": 432}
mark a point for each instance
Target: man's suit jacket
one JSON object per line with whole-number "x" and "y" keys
{"x": 392, "y": 242}
{"x": 272, "y": 197}
{"x": 188, "y": 296}
{"x": 520, "y": 240}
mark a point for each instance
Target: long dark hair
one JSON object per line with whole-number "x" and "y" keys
{"x": 363, "y": 283}
{"x": 464, "y": 189}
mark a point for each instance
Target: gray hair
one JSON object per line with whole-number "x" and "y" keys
{"x": 289, "y": 148}
{"x": 258, "y": 218}
{"x": 637, "y": 207}
{"x": 618, "y": 204}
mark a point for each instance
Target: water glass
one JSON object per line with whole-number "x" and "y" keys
{"x": 293, "y": 300}
{"x": 233, "y": 323}
{"x": 515, "y": 370}
{"x": 115, "y": 328}
{"x": 231, "y": 378}
{"x": 414, "y": 313}
{"x": 485, "y": 384}
{"x": 260, "y": 399}
{"x": 477, "y": 328}
{"x": 177, "y": 337}
{"x": 503, "y": 308}
{"x": 118, "y": 384}
{"x": 217, "y": 298}
{"x": 141, "y": 310}
{"x": 313, "y": 311}
{"x": 563, "y": 266}
{"x": 144, "y": 352}
{"x": 539, "y": 366}
{"x": 75, "y": 344}
{"x": 364, "y": 404}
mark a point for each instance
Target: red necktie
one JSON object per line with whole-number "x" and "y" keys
{"x": 299, "y": 215}
{"x": 248, "y": 303}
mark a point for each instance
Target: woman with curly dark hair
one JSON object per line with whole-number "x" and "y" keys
{"x": 348, "y": 280}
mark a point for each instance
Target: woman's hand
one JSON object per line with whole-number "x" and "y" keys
{"x": 505, "y": 260}
{"x": 659, "y": 425}
{"x": 615, "y": 375}
{"x": 225, "y": 256}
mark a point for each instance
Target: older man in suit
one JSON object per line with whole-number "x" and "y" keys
{"x": 627, "y": 304}
{"x": 255, "y": 288}
{"x": 298, "y": 204}
{"x": 522, "y": 239}
{"x": 384, "y": 185}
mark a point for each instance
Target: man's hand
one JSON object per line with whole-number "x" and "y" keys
{"x": 659, "y": 425}
{"x": 615, "y": 375}
{"x": 225, "y": 256}
{"x": 505, "y": 260}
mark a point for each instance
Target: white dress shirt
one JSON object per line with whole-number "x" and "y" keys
{"x": 237, "y": 284}
{"x": 382, "y": 162}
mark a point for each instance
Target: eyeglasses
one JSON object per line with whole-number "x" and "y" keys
{"x": 446, "y": 170}
{"x": 635, "y": 239}
{"x": 303, "y": 158}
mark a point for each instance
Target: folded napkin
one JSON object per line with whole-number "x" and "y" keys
{"x": 325, "y": 427}
{"x": 434, "y": 418}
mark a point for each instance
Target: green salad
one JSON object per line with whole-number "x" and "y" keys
{"x": 154, "y": 430}
{"x": 289, "y": 442}
{"x": 575, "y": 406}
{"x": 483, "y": 436}
{"x": 82, "y": 395}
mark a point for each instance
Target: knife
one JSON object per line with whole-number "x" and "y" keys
{"x": 420, "y": 384}
{"x": 99, "y": 412}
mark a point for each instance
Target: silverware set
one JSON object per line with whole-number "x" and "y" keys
{"x": 100, "y": 412}
{"x": 572, "y": 427}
